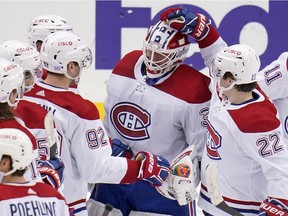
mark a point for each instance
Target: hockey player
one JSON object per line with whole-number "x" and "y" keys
{"x": 84, "y": 148}
{"x": 32, "y": 114}
{"x": 42, "y": 26}
{"x": 244, "y": 134}
{"x": 19, "y": 196}
{"x": 155, "y": 103}
{"x": 273, "y": 81}
{"x": 11, "y": 90}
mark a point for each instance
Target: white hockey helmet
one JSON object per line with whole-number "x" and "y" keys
{"x": 60, "y": 48}
{"x": 11, "y": 78}
{"x": 15, "y": 143}
{"x": 41, "y": 26}
{"x": 164, "y": 48}
{"x": 240, "y": 60}
{"x": 23, "y": 54}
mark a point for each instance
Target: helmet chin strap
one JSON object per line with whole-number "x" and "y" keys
{"x": 222, "y": 89}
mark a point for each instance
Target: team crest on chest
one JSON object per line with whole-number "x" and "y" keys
{"x": 213, "y": 143}
{"x": 131, "y": 121}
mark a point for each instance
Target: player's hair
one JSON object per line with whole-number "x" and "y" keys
{"x": 242, "y": 87}
{"x": 5, "y": 112}
{"x": 17, "y": 172}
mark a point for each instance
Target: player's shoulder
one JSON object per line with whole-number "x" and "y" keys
{"x": 125, "y": 67}
{"x": 45, "y": 190}
{"x": 13, "y": 191}
{"x": 188, "y": 84}
{"x": 31, "y": 113}
{"x": 256, "y": 117}
{"x": 67, "y": 100}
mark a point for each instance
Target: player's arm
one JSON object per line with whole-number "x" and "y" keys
{"x": 199, "y": 27}
{"x": 92, "y": 151}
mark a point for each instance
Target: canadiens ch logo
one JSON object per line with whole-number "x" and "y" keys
{"x": 213, "y": 143}
{"x": 131, "y": 121}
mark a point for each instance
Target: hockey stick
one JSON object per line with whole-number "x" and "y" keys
{"x": 214, "y": 191}
{"x": 49, "y": 128}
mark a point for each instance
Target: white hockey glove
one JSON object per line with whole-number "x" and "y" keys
{"x": 182, "y": 183}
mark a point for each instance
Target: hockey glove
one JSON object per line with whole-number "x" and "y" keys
{"x": 120, "y": 149}
{"x": 272, "y": 206}
{"x": 182, "y": 183}
{"x": 187, "y": 22}
{"x": 51, "y": 171}
{"x": 153, "y": 169}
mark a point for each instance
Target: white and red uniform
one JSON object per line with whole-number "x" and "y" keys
{"x": 247, "y": 142}
{"x": 33, "y": 116}
{"x": 273, "y": 80}
{"x": 31, "y": 198}
{"x": 84, "y": 144}
{"x": 32, "y": 173}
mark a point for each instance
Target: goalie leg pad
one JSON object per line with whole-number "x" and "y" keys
{"x": 96, "y": 208}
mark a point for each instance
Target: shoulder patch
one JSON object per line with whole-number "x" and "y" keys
{"x": 188, "y": 84}
{"x": 256, "y": 118}
{"x": 125, "y": 67}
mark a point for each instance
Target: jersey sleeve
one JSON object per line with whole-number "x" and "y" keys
{"x": 90, "y": 145}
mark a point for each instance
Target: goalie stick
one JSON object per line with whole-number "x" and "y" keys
{"x": 214, "y": 191}
{"x": 49, "y": 128}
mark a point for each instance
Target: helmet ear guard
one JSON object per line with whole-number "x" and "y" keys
{"x": 163, "y": 49}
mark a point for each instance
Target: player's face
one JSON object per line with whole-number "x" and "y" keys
{"x": 156, "y": 58}
{"x": 38, "y": 45}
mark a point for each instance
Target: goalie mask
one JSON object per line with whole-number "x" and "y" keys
{"x": 25, "y": 55}
{"x": 42, "y": 26}
{"x": 240, "y": 60}
{"x": 11, "y": 79}
{"x": 164, "y": 49}
{"x": 18, "y": 146}
{"x": 60, "y": 48}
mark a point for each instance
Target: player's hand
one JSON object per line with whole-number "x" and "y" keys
{"x": 187, "y": 22}
{"x": 272, "y": 206}
{"x": 154, "y": 168}
{"x": 52, "y": 171}
{"x": 120, "y": 149}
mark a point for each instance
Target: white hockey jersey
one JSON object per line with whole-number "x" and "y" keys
{"x": 246, "y": 140}
{"x": 84, "y": 145}
{"x": 31, "y": 198}
{"x": 162, "y": 119}
{"x": 273, "y": 80}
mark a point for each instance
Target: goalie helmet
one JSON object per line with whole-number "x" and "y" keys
{"x": 240, "y": 60}
{"x": 164, "y": 49}
{"x": 41, "y": 26}
{"x": 11, "y": 78}
{"x": 60, "y": 48}
{"x": 15, "y": 143}
{"x": 23, "y": 54}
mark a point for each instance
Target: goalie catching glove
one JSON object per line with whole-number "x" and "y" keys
{"x": 51, "y": 171}
{"x": 153, "y": 169}
{"x": 187, "y": 22}
{"x": 182, "y": 183}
